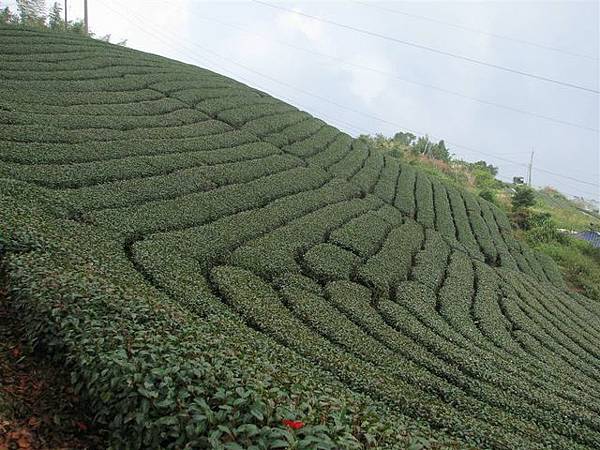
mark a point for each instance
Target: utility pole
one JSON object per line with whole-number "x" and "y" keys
{"x": 85, "y": 17}
{"x": 66, "y": 18}
{"x": 529, "y": 169}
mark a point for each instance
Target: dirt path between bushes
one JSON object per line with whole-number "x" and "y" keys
{"x": 38, "y": 408}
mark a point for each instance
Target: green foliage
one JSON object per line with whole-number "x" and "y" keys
{"x": 32, "y": 12}
{"x": 393, "y": 262}
{"x": 492, "y": 170}
{"x": 406, "y": 139}
{"x": 7, "y": 17}
{"x": 430, "y": 262}
{"x": 484, "y": 179}
{"x": 522, "y": 197}
{"x": 208, "y": 261}
{"x": 579, "y": 263}
{"x": 362, "y": 235}
{"x": 440, "y": 152}
{"x": 489, "y": 195}
{"x": 567, "y": 213}
{"x": 405, "y": 192}
{"x": 329, "y": 262}
{"x": 424, "y": 201}
{"x": 424, "y": 146}
{"x": 542, "y": 229}
{"x": 578, "y": 259}
{"x": 55, "y": 19}
{"x": 403, "y": 142}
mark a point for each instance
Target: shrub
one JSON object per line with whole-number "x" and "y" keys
{"x": 220, "y": 270}
{"x": 489, "y": 195}
{"x": 523, "y": 197}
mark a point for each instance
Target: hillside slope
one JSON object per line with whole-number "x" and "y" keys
{"x": 211, "y": 260}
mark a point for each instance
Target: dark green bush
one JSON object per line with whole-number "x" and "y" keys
{"x": 208, "y": 261}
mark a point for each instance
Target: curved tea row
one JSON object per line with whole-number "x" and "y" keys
{"x": 243, "y": 209}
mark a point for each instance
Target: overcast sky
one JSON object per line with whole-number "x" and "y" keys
{"x": 368, "y": 84}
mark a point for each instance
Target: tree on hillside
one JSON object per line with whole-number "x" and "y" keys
{"x": 489, "y": 167}
{"x": 7, "y": 16}
{"x": 390, "y": 145}
{"x": 55, "y": 20}
{"x": 489, "y": 195}
{"x": 424, "y": 146}
{"x": 523, "y": 197}
{"x": 380, "y": 140}
{"x": 439, "y": 151}
{"x": 485, "y": 175}
{"x": 421, "y": 146}
{"x": 32, "y": 12}
{"x": 77, "y": 26}
{"x": 406, "y": 139}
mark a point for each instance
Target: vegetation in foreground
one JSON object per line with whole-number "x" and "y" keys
{"x": 38, "y": 409}
{"x": 218, "y": 269}
{"x": 542, "y": 218}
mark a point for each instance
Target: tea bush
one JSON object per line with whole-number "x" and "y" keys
{"x": 212, "y": 263}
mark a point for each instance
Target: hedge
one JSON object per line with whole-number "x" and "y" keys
{"x": 351, "y": 163}
{"x": 405, "y": 192}
{"x": 208, "y": 261}
{"x": 182, "y": 386}
{"x": 333, "y": 152}
{"x": 362, "y": 235}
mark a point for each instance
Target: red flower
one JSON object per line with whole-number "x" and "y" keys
{"x": 294, "y": 424}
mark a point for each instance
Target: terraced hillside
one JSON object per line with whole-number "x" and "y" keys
{"x": 210, "y": 260}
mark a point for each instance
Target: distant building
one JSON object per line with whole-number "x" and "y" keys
{"x": 593, "y": 237}
{"x": 518, "y": 180}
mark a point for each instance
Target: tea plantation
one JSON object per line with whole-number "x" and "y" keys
{"x": 210, "y": 261}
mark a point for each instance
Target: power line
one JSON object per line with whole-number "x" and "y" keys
{"x": 455, "y": 144}
{"x": 476, "y": 30}
{"x": 577, "y": 196}
{"x": 510, "y": 181}
{"x": 582, "y": 194}
{"x": 565, "y": 176}
{"x": 357, "y": 129}
{"x": 592, "y": 195}
{"x": 380, "y": 119}
{"x": 538, "y": 169}
{"x": 395, "y": 76}
{"x": 432, "y": 49}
